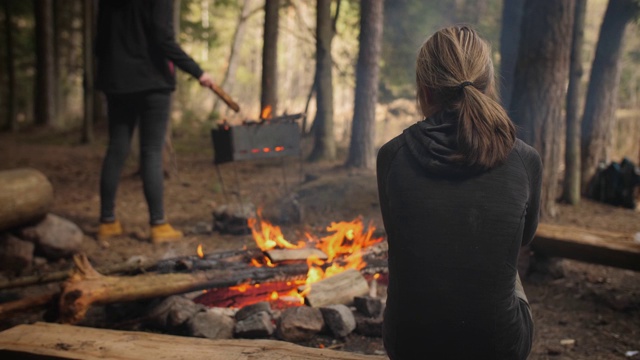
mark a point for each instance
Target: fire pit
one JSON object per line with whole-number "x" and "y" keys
{"x": 253, "y": 140}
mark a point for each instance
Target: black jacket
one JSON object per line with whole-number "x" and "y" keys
{"x": 454, "y": 235}
{"x": 136, "y": 47}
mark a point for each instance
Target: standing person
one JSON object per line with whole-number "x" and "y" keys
{"x": 136, "y": 52}
{"x": 459, "y": 196}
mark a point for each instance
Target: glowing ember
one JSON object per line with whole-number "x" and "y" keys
{"x": 199, "y": 251}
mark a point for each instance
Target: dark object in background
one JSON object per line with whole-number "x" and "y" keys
{"x": 615, "y": 184}
{"x": 257, "y": 140}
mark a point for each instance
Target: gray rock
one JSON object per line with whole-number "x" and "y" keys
{"x": 368, "y": 305}
{"x": 211, "y": 325}
{"x": 339, "y": 319}
{"x": 15, "y": 254}
{"x": 258, "y": 325}
{"x": 368, "y": 326}
{"x": 172, "y": 312}
{"x": 54, "y": 236}
{"x": 253, "y": 309}
{"x": 300, "y": 323}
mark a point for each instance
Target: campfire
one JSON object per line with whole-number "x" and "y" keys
{"x": 339, "y": 251}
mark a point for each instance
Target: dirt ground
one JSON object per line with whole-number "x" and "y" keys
{"x": 597, "y": 306}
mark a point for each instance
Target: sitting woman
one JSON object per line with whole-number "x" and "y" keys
{"x": 459, "y": 196}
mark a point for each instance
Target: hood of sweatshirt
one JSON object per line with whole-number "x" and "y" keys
{"x": 434, "y": 144}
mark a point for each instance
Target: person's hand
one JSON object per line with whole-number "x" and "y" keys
{"x": 206, "y": 80}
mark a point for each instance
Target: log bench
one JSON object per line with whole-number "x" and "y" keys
{"x": 55, "y": 341}
{"x": 587, "y": 245}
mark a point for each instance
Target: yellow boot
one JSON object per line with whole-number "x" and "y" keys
{"x": 164, "y": 233}
{"x": 109, "y": 230}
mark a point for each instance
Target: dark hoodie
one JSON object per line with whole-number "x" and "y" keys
{"x": 136, "y": 47}
{"x": 454, "y": 233}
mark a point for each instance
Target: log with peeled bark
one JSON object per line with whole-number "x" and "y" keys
{"x": 26, "y": 195}
{"x": 279, "y": 255}
{"x": 337, "y": 289}
{"x": 592, "y": 246}
{"x": 55, "y": 341}
{"x": 87, "y": 287}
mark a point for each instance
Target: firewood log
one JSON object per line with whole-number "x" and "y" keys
{"x": 55, "y": 341}
{"x": 87, "y": 287}
{"x": 337, "y": 289}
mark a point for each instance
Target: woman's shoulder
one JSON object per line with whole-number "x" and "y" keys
{"x": 528, "y": 154}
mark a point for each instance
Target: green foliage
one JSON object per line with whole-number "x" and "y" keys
{"x": 409, "y": 23}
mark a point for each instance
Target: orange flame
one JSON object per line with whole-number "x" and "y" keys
{"x": 343, "y": 247}
{"x": 200, "y": 252}
{"x": 266, "y": 113}
{"x": 268, "y": 236}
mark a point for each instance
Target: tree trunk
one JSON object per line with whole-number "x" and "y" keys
{"x": 269, "y": 84}
{"x": 44, "y": 89}
{"x": 600, "y": 105}
{"x": 324, "y": 146}
{"x": 571, "y": 191}
{"x": 238, "y": 38}
{"x": 509, "y": 38}
{"x": 539, "y": 88}
{"x": 12, "y": 121}
{"x": 362, "y": 147}
{"x": 87, "y": 52}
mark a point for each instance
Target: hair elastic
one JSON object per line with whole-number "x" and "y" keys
{"x": 464, "y": 84}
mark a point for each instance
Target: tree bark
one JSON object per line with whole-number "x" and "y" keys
{"x": 324, "y": 145}
{"x": 269, "y": 96}
{"x": 87, "y": 52}
{"x": 539, "y": 88}
{"x": 12, "y": 121}
{"x": 600, "y": 105}
{"x": 361, "y": 146}
{"x": 44, "y": 89}
{"x": 26, "y": 195}
{"x": 571, "y": 189}
{"x": 509, "y": 39}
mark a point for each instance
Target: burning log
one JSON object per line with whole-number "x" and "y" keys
{"x": 141, "y": 264}
{"x": 87, "y": 287}
{"x": 337, "y": 289}
{"x": 279, "y": 255}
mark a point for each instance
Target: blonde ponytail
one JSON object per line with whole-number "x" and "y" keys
{"x": 454, "y": 71}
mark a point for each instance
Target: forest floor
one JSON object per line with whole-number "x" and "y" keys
{"x": 597, "y": 306}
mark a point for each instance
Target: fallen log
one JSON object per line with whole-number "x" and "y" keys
{"x": 139, "y": 265}
{"x": 32, "y": 302}
{"x": 47, "y": 341}
{"x": 26, "y": 196}
{"x": 592, "y": 246}
{"x": 87, "y": 287}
